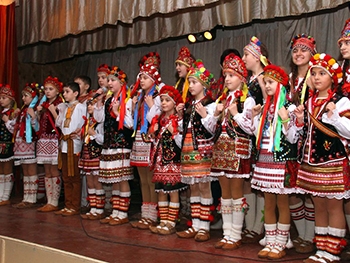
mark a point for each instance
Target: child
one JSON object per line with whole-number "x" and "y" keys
{"x": 275, "y": 169}
{"x": 7, "y": 105}
{"x": 231, "y": 161}
{"x": 165, "y": 160}
{"x": 197, "y": 150}
{"x": 324, "y": 169}
{"x": 47, "y": 145}
{"x": 301, "y": 207}
{"x": 115, "y": 166}
{"x": 146, "y": 105}
{"x": 255, "y": 59}
{"x": 70, "y": 120}
{"x": 24, "y": 148}
{"x": 344, "y": 47}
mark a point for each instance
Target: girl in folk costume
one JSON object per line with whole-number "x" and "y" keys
{"x": 7, "y": 105}
{"x": 196, "y": 150}
{"x": 70, "y": 121}
{"x": 276, "y": 167}
{"x": 301, "y": 207}
{"x": 24, "y": 148}
{"x": 48, "y": 138}
{"x": 146, "y": 105}
{"x": 89, "y": 164}
{"x": 324, "y": 170}
{"x": 344, "y": 47}
{"x": 231, "y": 161}
{"x": 115, "y": 168}
{"x": 165, "y": 159}
{"x": 255, "y": 59}
{"x": 183, "y": 63}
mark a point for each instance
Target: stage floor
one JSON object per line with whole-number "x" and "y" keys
{"x": 120, "y": 243}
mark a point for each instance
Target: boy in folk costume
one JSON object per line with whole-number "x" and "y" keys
{"x": 231, "y": 162}
{"x": 301, "y": 207}
{"x": 165, "y": 160}
{"x": 70, "y": 120}
{"x": 146, "y": 105}
{"x": 7, "y": 106}
{"x": 276, "y": 167}
{"x": 24, "y": 148}
{"x": 324, "y": 169}
{"x": 48, "y": 138}
{"x": 196, "y": 150}
{"x": 115, "y": 168}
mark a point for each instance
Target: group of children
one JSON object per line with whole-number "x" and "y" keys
{"x": 256, "y": 127}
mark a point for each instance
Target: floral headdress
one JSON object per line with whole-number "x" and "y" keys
{"x": 5, "y": 90}
{"x": 234, "y": 64}
{"x": 199, "y": 72}
{"x": 54, "y": 81}
{"x": 328, "y": 63}
{"x": 32, "y": 89}
{"x": 117, "y": 72}
{"x": 172, "y": 93}
{"x": 151, "y": 58}
{"x": 184, "y": 57}
{"x": 104, "y": 68}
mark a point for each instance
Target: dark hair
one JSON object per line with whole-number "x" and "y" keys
{"x": 85, "y": 79}
{"x": 74, "y": 87}
{"x": 227, "y": 52}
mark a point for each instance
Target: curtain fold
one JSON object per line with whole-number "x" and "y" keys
{"x": 8, "y": 48}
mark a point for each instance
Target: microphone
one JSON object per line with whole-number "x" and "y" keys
{"x": 104, "y": 90}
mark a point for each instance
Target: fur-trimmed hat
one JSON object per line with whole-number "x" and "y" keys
{"x": 199, "y": 72}
{"x": 234, "y": 64}
{"x": 151, "y": 71}
{"x": 276, "y": 73}
{"x": 117, "y": 72}
{"x": 54, "y": 81}
{"x": 345, "y": 33}
{"x": 172, "y": 93}
{"x": 328, "y": 63}
{"x": 5, "y": 90}
{"x": 184, "y": 57}
{"x": 304, "y": 41}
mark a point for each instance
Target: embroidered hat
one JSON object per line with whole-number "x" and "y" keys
{"x": 151, "y": 58}
{"x": 5, "y": 90}
{"x": 234, "y": 64}
{"x": 117, "y": 72}
{"x": 172, "y": 93}
{"x": 328, "y": 63}
{"x": 254, "y": 47}
{"x": 31, "y": 88}
{"x": 304, "y": 41}
{"x": 345, "y": 33}
{"x": 104, "y": 68}
{"x": 151, "y": 71}
{"x": 184, "y": 57}
{"x": 199, "y": 72}
{"x": 277, "y": 74}
{"x": 54, "y": 81}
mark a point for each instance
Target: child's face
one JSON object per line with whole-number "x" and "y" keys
{"x": 114, "y": 84}
{"x": 181, "y": 70}
{"x": 27, "y": 98}
{"x": 83, "y": 86}
{"x": 320, "y": 79}
{"x": 90, "y": 108}
{"x": 196, "y": 88}
{"x": 168, "y": 105}
{"x": 232, "y": 81}
{"x": 50, "y": 91}
{"x": 102, "y": 79}
{"x": 146, "y": 82}
{"x": 301, "y": 56}
{"x": 69, "y": 95}
{"x": 270, "y": 86}
{"x": 5, "y": 101}
{"x": 344, "y": 47}
{"x": 249, "y": 60}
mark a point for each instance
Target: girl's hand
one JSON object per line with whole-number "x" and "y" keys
{"x": 76, "y": 134}
{"x": 180, "y": 109}
{"x": 219, "y": 109}
{"x": 201, "y": 110}
{"x": 52, "y": 108}
{"x": 256, "y": 110}
{"x": 91, "y": 131}
{"x": 233, "y": 108}
{"x": 299, "y": 113}
{"x": 5, "y": 118}
{"x": 171, "y": 129}
{"x": 16, "y": 112}
{"x": 283, "y": 113}
{"x": 115, "y": 108}
{"x": 149, "y": 100}
{"x": 329, "y": 109}
{"x": 31, "y": 112}
{"x": 39, "y": 108}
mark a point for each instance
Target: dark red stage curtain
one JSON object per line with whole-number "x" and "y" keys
{"x": 8, "y": 48}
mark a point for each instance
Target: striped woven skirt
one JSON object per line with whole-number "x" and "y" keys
{"x": 141, "y": 151}
{"x": 87, "y": 165}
